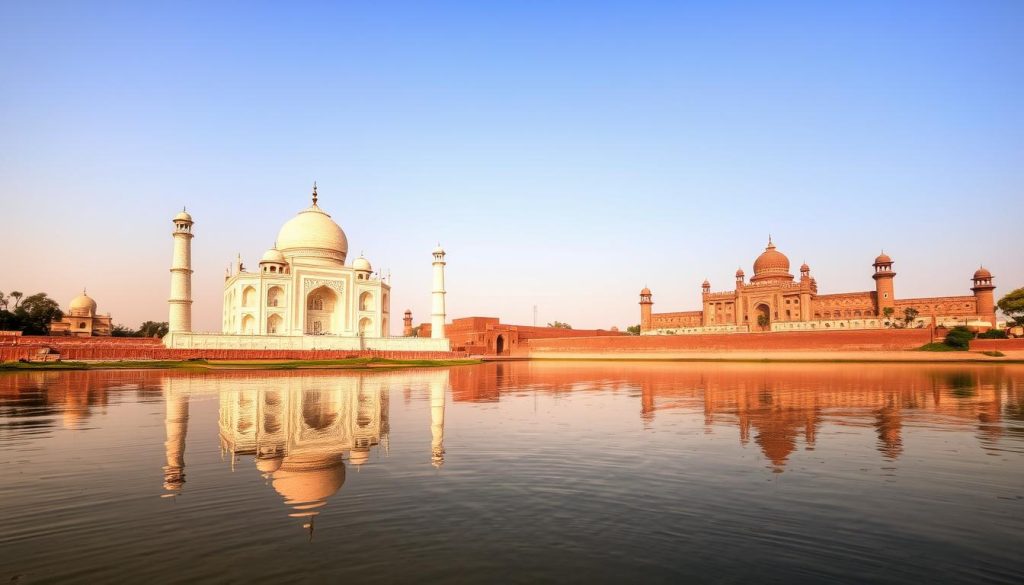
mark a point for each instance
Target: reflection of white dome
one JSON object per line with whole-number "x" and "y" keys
{"x": 306, "y": 485}
{"x": 312, "y": 233}
{"x": 359, "y": 456}
{"x": 83, "y": 303}
{"x": 269, "y": 465}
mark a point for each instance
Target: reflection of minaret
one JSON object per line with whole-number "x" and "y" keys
{"x": 176, "y": 423}
{"x": 646, "y": 403}
{"x": 437, "y": 422}
{"x": 889, "y": 425}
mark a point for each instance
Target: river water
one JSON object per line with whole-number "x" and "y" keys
{"x": 516, "y": 472}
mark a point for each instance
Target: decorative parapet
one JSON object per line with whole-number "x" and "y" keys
{"x": 697, "y": 330}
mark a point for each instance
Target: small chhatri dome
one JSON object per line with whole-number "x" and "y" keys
{"x": 706, "y": 283}
{"x": 805, "y": 268}
{"x": 740, "y": 273}
{"x": 771, "y": 263}
{"x": 83, "y": 303}
{"x": 362, "y": 263}
{"x": 273, "y": 255}
{"x": 883, "y": 258}
{"x": 646, "y": 291}
{"x": 183, "y": 216}
{"x": 313, "y": 233}
{"x": 982, "y": 273}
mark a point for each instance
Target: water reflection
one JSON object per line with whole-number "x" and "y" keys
{"x": 645, "y": 469}
{"x": 301, "y": 431}
{"x": 781, "y": 407}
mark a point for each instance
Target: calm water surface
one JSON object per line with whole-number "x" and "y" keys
{"x": 516, "y": 472}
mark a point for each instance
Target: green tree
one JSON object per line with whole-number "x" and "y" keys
{"x": 122, "y": 331}
{"x": 560, "y": 325}
{"x": 959, "y": 337}
{"x": 153, "y": 329}
{"x": 909, "y": 314}
{"x": 3, "y": 301}
{"x": 36, "y": 312}
{"x": 16, "y": 295}
{"x": 763, "y": 321}
{"x": 888, "y": 313}
{"x": 633, "y": 330}
{"x": 1012, "y": 305}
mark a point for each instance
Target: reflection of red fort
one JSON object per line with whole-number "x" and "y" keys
{"x": 775, "y": 406}
{"x": 773, "y": 301}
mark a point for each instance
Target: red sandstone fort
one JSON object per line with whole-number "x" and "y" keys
{"x": 773, "y": 300}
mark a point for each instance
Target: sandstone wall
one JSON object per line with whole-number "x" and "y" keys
{"x": 817, "y": 341}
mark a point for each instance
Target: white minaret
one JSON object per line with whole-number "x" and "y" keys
{"x": 437, "y": 315}
{"x": 180, "y": 317}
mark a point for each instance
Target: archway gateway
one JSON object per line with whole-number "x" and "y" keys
{"x": 499, "y": 345}
{"x": 763, "y": 314}
{"x": 321, "y": 311}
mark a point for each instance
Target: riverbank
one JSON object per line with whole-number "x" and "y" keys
{"x": 902, "y": 356}
{"x": 339, "y": 364}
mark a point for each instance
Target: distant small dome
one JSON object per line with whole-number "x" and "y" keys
{"x": 183, "y": 216}
{"x": 83, "y": 303}
{"x": 739, "y": 273}
{"x": 645, "y": 291}
{"x": 982, "y": 273}
{"x": 883, "y": 258}
{"x": 274, "y": 256}
{"x": 439, "y": 249}
{"x": 805, "y": 268}
{"x": 706, "y": 283}
{"x": 362, "y": 264}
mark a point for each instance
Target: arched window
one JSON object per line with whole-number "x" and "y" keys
{"x": 365, "y": 326}
{"x": 316, "y": 303}
{"x": 366, "y": 301}
{"x": 249, "y": 297}
{"x": 275, "y": 296}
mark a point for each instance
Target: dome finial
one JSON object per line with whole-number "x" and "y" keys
{"x": 314, "y": 193}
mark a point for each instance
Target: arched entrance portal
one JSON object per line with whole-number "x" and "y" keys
{"x": 763, "y": 315}
{"x": 499, "y": 345}
{"x": 322, "y": 312}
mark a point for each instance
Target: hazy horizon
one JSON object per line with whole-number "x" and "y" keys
{"x": 565, "y": 156}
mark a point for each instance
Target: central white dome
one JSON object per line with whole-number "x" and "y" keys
{"x": 312, "y": 233}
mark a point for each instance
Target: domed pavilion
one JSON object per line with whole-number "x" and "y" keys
{"x": 82, "y": 319}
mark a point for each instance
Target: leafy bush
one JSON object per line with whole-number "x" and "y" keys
{"x": 959, "y": 337}
{"x": 993, "y": 334}
{"x": 936, "y": 347}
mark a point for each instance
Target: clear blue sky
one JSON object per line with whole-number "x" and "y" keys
{"x": 565, "y": 153}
